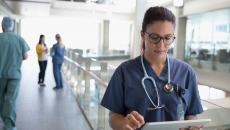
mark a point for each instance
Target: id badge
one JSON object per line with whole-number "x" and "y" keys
{"x": 180, "y": 110}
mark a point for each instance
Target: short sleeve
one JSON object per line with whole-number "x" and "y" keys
{"x": 113, "y": 98}
{"x": 194, "y": 102}
{"x": 39, "y": 49}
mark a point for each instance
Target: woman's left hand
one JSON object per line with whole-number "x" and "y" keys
{"x": 192, "y": 117}
{"x": 195, "y": 128}
{"x": 192, "y": 128}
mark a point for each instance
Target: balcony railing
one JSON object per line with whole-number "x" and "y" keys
{"x": 89, "y": 78}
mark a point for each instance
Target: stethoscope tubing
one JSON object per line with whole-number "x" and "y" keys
{"x": 153, "y": 81}
{"x": 147, "y": 77}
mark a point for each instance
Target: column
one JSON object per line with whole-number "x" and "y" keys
{"x": 17, "y": 26}
{"x": 104, "y": 38}
{"x": 180, "y": 32}
{"x": 141, "y": 7}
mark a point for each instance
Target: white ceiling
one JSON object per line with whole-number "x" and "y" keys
{"x": 40, "y": 1}
{"x": 30, "y": 7}
{"x": 35, "y": 8}
{"x": 4, "y": 9}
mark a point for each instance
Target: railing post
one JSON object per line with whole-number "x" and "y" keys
{"x": 74, "y": 72}
{"x": 87, "y": 85}
{"x": 66, "y": 63}
{"x": 68, "y": 74}
{"x": 101, "y": 110}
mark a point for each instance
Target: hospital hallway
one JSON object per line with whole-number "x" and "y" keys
{"x": 42, "y": 108}
{"x": 77, "y": 105}
{"x": 101, "y": 35}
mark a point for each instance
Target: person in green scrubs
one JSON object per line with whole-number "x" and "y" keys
{"x": 13, "y": 50}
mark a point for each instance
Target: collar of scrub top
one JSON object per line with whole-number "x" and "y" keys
{"x": 147, "y": 77}
{"x": 164, "y": 73}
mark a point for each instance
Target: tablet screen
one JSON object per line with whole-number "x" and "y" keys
{"x": 175, "y": 125}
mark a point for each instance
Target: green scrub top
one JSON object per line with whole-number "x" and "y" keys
{"x": 12, "y": 48}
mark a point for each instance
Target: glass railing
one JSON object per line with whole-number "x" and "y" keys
{"x": 218, "y": 113}
{"x": 216, "y": 104}
{"x": 89, "y": 77}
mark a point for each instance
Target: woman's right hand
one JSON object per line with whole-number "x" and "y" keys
{"x": 133, "y": 120}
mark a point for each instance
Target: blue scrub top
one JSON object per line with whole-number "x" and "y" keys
{"x": 58, "y": 53}
{"x": 125, "y": 93}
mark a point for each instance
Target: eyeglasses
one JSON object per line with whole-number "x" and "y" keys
{"x": 155, "y": 38}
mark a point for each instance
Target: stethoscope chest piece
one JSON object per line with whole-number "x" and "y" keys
{"x": 168, "y": 88}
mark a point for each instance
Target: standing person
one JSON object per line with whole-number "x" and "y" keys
{"x": 57, "y": 52}
{"x": 42, "y": 53}
{"x": 13, "y": 50}
{"x": 153, "y": 87}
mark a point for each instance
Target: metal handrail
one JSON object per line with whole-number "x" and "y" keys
{"x": 94, "y": 76}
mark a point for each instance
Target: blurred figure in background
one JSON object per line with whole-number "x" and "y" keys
{"x": 57, "y": 53}
{"x": 42, "y": 53}
{"x": 13, "y": 50}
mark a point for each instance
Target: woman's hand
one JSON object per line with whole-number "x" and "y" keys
{"x": 192, "y": 128}
{"x": 192, "y": 117}
{"x": 133, "y": 121}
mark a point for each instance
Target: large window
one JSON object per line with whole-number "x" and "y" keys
{"x": 208, "y": 40}
{"x": 120, "y": 36}
{"x": 76, "y": 34}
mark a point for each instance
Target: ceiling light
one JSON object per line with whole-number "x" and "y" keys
{"x": 178, "y": 3}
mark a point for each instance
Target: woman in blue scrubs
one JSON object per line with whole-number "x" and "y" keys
{"x": 58, "y": 53}
{"x": 152, "y": 87}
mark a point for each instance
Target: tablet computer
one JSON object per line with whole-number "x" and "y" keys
{"x": 175, "y": 125}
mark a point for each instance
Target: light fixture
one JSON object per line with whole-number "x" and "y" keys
{"x": 178, "y": 3}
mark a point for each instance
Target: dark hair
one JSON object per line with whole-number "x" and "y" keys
{"x": 157, "y": 13}
{"x": 58, "y": 38}
{"x": 40, "y": 39}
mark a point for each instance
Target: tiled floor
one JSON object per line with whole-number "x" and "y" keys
{"x": 43, "y": 108}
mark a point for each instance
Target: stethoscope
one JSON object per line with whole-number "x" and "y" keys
{"x": 167, "y": 88}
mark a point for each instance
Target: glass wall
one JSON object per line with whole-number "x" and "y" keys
{"x": 119, "y": 41}
{"x": 208, "y": 41}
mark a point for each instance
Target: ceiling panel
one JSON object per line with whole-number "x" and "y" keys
{"x": 37, "y": 1}
{"x": 4, "y": 8}
{"x": 30, "y": 7}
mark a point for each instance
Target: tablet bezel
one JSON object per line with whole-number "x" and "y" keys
{"x": 175, "y": 125}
